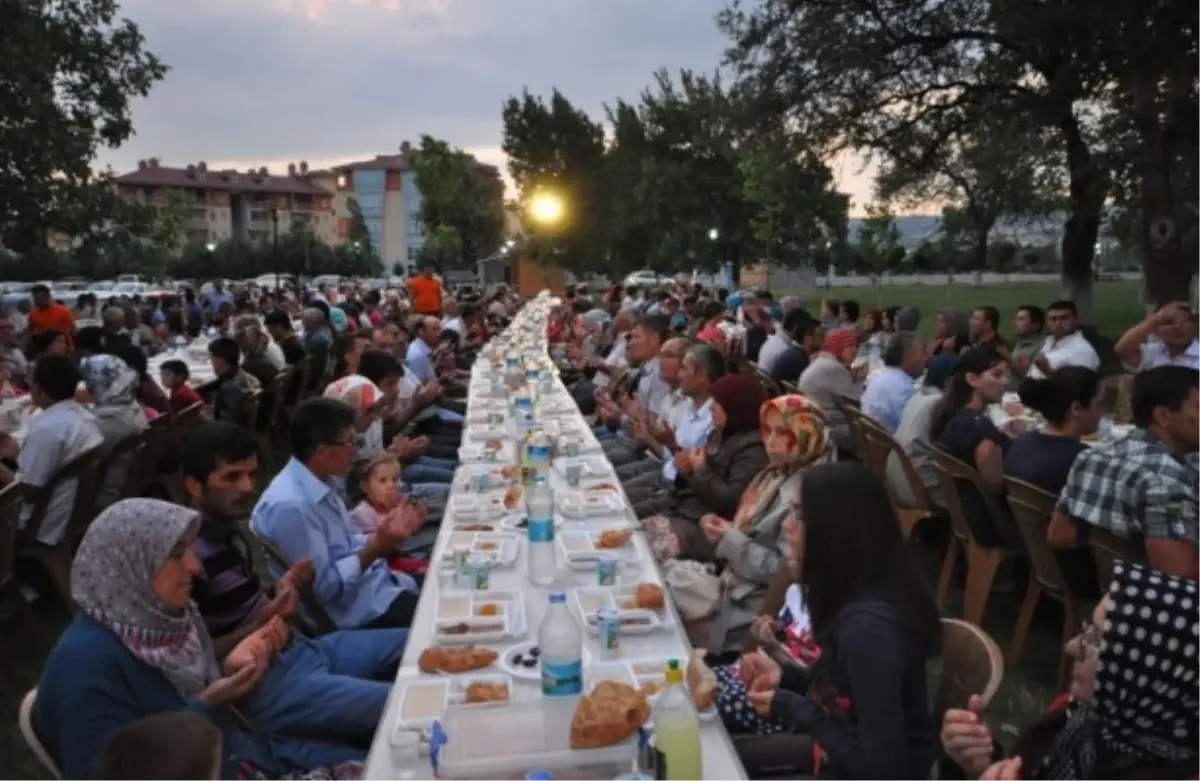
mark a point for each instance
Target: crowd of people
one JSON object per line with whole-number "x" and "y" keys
{"x": 724, "y": 417}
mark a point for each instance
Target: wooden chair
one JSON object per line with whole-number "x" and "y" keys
{"x": 851, "y": 409}
{"x": 769, "y": 386}
{"x": 971, "y": 664}
{"x": 25, "y": 721}
{"x": 1107, "y": 548}
{"x": 56, "y": 560}
{"x": 10, "y": 516}
{"x": 982, "y": 562}
{"x": 882, "y": 448}
{"x": 127, "y": 451}
{"x": 790, "y": 388}
{"x": 270, "y": 432}
{"x": 313, "y": 609}
{"x": 1031, "y": 511}
{"x": 156, "y": 440}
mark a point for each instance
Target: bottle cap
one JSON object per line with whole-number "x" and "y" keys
{"x": 674, "y": 673}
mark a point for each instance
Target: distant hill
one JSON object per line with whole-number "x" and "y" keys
{"x": 916, "y": 228}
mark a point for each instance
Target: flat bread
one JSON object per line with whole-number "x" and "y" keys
{"x": 459, "y": 659}
{"x": 612, "y": 713}
{"x": 701, "y": 680}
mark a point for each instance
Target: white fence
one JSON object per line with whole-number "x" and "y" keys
{"x": 965, "y": 280}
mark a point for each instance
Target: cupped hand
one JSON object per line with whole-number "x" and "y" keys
{"x": 757, "y": 666}
{"x": 761, "y": 694}
{"x": 232, "y": 687}
{"x": 714, "y": 527}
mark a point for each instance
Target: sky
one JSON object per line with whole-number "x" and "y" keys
{"x": 268, "y": 82}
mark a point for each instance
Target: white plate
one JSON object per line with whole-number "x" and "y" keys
{"x": 424, "y": 700}
{"x": 522, "y": 672}
{"x": 578, "y": 547}
{"x": 590, "y": 504}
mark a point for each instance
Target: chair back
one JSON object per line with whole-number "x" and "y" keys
{"x": 312, "y": 608}
{"x": 274, "y": 399}
{"x": 157, "y": 441}
{"x": 1031, "y": 510}
{"x": 971, "y": 664}
{"x": 851, "y": 409}
{"x": 127, "y": 452}
{"x": 10, "y": 515}
{"x": 85, "y": 469}
{"x": 874, "y": 452}
{"x": 1107, "y": 548}
{"x": 790, "y": 388}
{"x": 882, "y": 447}
{"x": 770, "y": 387}
{"x": 25, "y": 720}
{"x": 952, "y": 474}
{"x": 187, "y": 419}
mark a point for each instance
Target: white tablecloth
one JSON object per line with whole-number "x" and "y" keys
{"x": 719, "y": 756}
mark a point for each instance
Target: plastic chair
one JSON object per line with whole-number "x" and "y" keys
{"x": 971, "y": 664}
{"x": 25, "y": 720}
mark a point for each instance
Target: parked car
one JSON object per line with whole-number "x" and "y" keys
{"x": 645, "y": 279}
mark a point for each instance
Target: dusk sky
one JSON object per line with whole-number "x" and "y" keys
{"x": 268, "y": 82}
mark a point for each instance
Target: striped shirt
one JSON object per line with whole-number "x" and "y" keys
{"x": 227, "y": 590}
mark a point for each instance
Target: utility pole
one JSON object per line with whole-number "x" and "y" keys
{"x": 275, "y": 245}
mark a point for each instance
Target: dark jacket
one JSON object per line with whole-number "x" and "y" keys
{"x": 717, "y": 487}
{"x": 865, "y": 701}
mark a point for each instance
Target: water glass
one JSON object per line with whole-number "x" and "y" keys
{"x": 573, "y": 472}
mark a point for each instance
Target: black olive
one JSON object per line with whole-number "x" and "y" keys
{"x": 529, "y": 663}
{"x": 535, "y": 652}
{"x": 518, "y": 659}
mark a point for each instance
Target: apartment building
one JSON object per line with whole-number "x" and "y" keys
{"x": 230, "y": 204}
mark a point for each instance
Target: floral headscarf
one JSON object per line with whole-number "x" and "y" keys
{"x": 109, "y": 380}
{"x": 112, "y": 581}
{"x": 1146, "y": 690}
{"x": 811, "y": 443}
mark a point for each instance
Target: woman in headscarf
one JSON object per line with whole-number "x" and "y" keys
{"x": 1131, "y": 711}
{"x": 113, "y": 386}
{"x": 138, "y": 647}
{"x": 828, "y": 376}
{"x": 750, "y": 548}
{"x": 953, "y": 332}
{"x": 713, "y": 478}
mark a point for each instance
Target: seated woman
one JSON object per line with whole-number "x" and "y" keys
{"x": 150, "y": 394}
{"x": 113, "y": 386}
{"x": 750, "y": 549}
{"x": 1131, "y": 711}
{"x": 866, "y": 701}
{"x": 712, "y": 478}
{"x": 1070, "y": 402}
{"x": 138, "y": 647}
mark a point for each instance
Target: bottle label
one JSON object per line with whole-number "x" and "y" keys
{"x": 537, "y": 453}
{"x": 541, "y": 529}
{"x": 562, "y": 679}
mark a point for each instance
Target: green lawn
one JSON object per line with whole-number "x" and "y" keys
{"x": 1117, "y": 304}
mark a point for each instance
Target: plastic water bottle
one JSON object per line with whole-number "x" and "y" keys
{"x": 677, "y": 730}
{"x": 537, "y": 454}
{"x": 539, "y": 513}
{"x": 561, "y": 644}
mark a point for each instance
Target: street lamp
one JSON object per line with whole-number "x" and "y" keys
{"x": 546, "y": 208}
{"x": 210, "y": 246}
{"x": 713, "y": 233}
{"x": 275, "y": 243}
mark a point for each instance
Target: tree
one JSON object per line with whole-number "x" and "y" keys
{"x": 68, "y": 75}
{"x": 358, "y": 233}
{"x": 861, "y": 74}
{"x": 462, "y": 204}
{"x": 878, "y": 240}
{"x": 557, "y": 148}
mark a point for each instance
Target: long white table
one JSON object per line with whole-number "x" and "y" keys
{"x": 719, "y": 756}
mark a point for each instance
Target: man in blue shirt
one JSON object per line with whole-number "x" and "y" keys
{"x": 303, "y": 515}
{"x": 888, "y": 391}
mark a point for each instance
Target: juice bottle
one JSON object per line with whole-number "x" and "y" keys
{"x": 677, "y": 730}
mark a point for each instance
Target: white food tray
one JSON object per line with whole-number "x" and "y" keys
{"x": 456, "y": 610}
{"x": 500, "y": 548}
{"x": 511, "y": 739}
{"x": 499, "y": 477}
{"x": 579, "y": 505}
{"x": 594, "y": 467}
{"x": 578, "y": 547}
{"x": 469, "y": 508}
{"x": 590, "y": 599}
{"x": 475, "y": 452}
{"x": 424, "y": 700}
{"x": 481, "y": 432}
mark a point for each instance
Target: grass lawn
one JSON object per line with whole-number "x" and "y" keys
{"x": 1117, "y": 304}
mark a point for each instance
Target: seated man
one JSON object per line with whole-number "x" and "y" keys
{"x": 1141, "y": 488}
{"x": 648, "y": 389}
{"x": 302, "y": 513}
{"x": 232, "y": 385}
{"x": 336, "y": 685}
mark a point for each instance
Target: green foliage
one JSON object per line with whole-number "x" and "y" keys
{"x": 462, "y": 204}
{"x": 879, "y": 240}
{"x": 67, "y": 77}
{"x": 358, "y": 232}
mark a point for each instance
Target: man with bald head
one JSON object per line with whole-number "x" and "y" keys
{"x": 665, "y": 417}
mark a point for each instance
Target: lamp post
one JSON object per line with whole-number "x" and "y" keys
{"x": 547, "y": 209}
{"x": 275, "y": 244}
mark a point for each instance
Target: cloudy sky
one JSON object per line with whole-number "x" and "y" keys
{"x": 268, "y": 82}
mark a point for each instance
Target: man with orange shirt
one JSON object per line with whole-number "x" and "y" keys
{"x": 49, "y": 315}
{"x": 426, "y": 293}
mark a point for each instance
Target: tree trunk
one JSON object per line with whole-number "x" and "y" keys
{"x": 1167, "y": 273}
{"x": 1088, "y": 187}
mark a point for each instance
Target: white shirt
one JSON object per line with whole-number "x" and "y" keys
{"x": 275, "y": 356}
{"x": 1154, "y": 354}
{"x": 772, "y": 350}
{"x": 454, "y": 324}
{"x": 673, "y": 407}
{"x": 613, "y": 361}
{"x": 59, "y": 435}
{"x": 691, "y": 432}
{"x": 1072, "y": 350}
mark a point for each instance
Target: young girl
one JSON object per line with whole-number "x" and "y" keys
{"x": 374, "y": 483}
